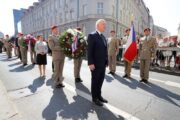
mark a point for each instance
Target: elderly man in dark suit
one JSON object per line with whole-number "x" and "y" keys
{"x": 97, "y": 61}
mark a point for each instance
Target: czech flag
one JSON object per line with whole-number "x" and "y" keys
{"x": 75, "y": 43}
{"x": 131, "y": 46}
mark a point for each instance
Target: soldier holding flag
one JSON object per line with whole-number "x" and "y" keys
{"x": 127, "y": 63}
{"x": 130, "y": 52}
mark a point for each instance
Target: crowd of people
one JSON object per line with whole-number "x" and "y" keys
{"x": 101, "y": 53}
{"x": 162, "y": 58}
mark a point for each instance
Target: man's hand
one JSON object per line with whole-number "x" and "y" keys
{"x": 42, "y": 53}
{"x": 91, "y": 67}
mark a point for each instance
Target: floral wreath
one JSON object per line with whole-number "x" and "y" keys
{"x": 73, "y": 43}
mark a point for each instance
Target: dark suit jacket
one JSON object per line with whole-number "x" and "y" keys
{"x": 97, "y": 50}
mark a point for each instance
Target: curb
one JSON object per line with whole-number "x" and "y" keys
{"x": 8, "y": 110}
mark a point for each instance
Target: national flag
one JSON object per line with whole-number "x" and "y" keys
{"x": 131, "y": 46}
{"x": 75, "y": 42}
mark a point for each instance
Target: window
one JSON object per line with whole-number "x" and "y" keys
{"x": 71, "y": 14}
{"x": 66, "y": 15}
{"x": 84, "y": 9}
{"x": 60, "y": 18}
{"x": 121, "y": 15}
{"x": 56, "y": 5}
{"x": 60, "y": 3}
{"x": 99, "y": 8}
{"x": 113, "y": 11}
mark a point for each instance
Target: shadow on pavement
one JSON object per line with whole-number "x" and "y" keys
{"x": 57, "y": 103}
{"x": 85, "y": 107}
{"x": 151, "y": 88}
{"x": 158, "y": 70}
{"x": 80, "y": 86}
{"x": 161, "y": 93}
{"x": 133, "y": 83}
{"x": 78, "y": 109}
{"x": 109, "y": 78}
{"x": 14, "y": 64}
{"x": 49, "y": 82}
{"x": 38, "y": 82}
{"x": 7, "y": 60}
{"x": 22, "y": 68}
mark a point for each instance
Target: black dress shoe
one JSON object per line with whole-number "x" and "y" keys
{"x": 112, "y": 73}
{"x": 125, "y": 76}
{"x": 77, "y": 80}
{"x": 144, "y": 80}
{"x": 141, "y": 80}
{"x": 60, "y": 86}
{"x": 97, "y": 102}
{"x": 24, "y": 64}
{"x": 103, "y": 100}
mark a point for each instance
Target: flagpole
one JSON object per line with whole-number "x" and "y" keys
{"x": 132, "y": 19}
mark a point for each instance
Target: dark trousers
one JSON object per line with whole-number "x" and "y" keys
{"x": 52, "y": 66}
{"x": 96, "y": 82}
{"x": 119, "y": 55}
{"x": 1, "y": 48}
{"x": 19, "y": 54}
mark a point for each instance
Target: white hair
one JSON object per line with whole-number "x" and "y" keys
{"x": 100, "y": 21}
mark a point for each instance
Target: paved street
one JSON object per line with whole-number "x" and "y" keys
{"x": 35, "y": 99}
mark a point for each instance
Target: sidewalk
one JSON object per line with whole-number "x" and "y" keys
{"x": 7, "y": 108}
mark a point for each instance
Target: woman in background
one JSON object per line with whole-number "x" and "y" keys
{"x": 41, "y": 49}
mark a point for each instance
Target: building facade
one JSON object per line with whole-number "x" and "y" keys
{"x": 66, "y": 14}
{"x": 157, "y": 30}
{"x": 178, "y": 33}
{"x": 17, "y": 18}
{"x": 1, "y": 35}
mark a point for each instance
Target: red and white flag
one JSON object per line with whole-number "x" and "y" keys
{"x": 131, "y": 46}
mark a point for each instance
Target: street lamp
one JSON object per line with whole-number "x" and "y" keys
{"x": 117, "y": 14}
{"x": 77, "y": 12}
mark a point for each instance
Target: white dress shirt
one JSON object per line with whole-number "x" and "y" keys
{"x": 41, "y": 47}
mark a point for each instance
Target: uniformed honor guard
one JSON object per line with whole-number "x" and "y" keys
{"x": 57, "y": 56}
{"x": 32, "y": 42}
{"x": 127, "y": 64}
{"x": 23, "y": 48}
{"x": 113, "y": 49}
{"x": 8, "y": 46}
{"x": 77, "y": 66}
{"x": 147, "y": 49}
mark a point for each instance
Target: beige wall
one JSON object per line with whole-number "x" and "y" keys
{"x": 54, "y": 12}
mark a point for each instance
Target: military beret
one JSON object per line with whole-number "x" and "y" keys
{"x": 78, "y": 28}
{"x": 40, "y": 35}
{"x": 147, "y": 29}
{"x": 112, "y": 31}
{"x": 128, "y": 29}
{"x": 53, "y": 27}
{"x": 20, "y": 33}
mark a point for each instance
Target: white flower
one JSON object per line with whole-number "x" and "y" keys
{"x": 85, "y": 38}
{"x": 71, "y": 31}
{"x": 82, "y": 40}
